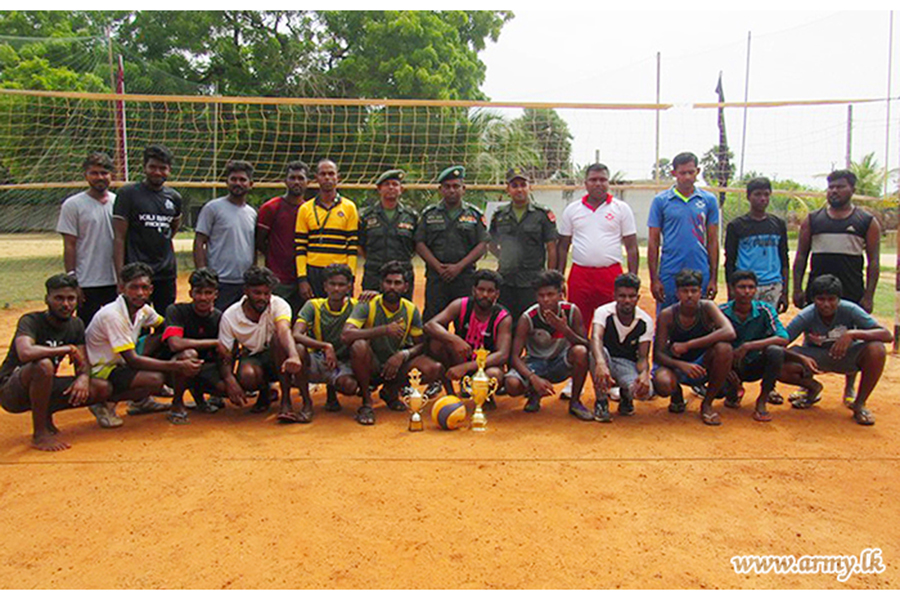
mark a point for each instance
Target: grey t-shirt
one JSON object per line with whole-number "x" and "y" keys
{"x": 822, "y": 335}
{"x": 90, "y": 221}
{"x": 230, "y": 229}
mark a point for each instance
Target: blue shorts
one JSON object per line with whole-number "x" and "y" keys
{"x": 554, "y": 370}
{"x": 682, "y": 377}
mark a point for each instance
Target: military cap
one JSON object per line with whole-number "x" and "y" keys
{"x": 516, "y": 173}
{"x": 397, "y": 174}
{"x": 455, "y": 172}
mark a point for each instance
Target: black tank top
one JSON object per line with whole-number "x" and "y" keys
{"x": 701, "y": 327}
{"x": 838, "y": 247}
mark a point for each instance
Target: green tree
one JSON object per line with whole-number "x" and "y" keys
{"x": 662, "y": 170}
{"x": 714, "y": 173}
{"x": 554, "y": 141}
{"x": 870, "y": 176}
{"x": 409, "y": 54}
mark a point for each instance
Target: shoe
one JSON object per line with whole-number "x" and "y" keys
{"x": 217, "y": 401}
{"x": 106, "y": 418}
{"x": 626, "y": 405}
{"x": 533, "y": 404}
{"x": 601, "y": 411}
{"x": 699, "y": 390}
{"x": 166, "y": 392}
{"x": 566, "y": 393}
{"x": 146, "y": 406}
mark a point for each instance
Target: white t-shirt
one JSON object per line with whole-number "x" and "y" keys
{"x": 622, "y": 340}
{"x": 112, "y": 331}
{"x": 254, "y": 337}
{"x": 597, "y": 234}
{"x": 90, "y": 221}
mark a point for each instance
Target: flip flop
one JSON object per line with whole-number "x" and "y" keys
{"x": 365, "y": 415}
{"x": 711, "y": 418}
{"x": 864, "y": 417}
{"x": 105, "y": 418}
{"x": 805, "y": 402}
{"x": 146, "y": 407}
{"x": 177, "y": 418}
{"x": 288, "y": 417}
{"x": 305, "y": 415}
{"x": 762, "y": 417}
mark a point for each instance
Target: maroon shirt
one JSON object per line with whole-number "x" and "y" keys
{"x": 279, "y": 218}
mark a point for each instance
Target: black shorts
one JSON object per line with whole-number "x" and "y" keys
{"x": 121, "y": 378}
{"x": 263, "y": 359}
{"x": 207, "y": 379}
{"x": 14, "y": 397}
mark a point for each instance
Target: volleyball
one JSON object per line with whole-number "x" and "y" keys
{"x": 448, "y": 413}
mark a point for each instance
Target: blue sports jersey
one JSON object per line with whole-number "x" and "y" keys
{"x": 683, "y": 227}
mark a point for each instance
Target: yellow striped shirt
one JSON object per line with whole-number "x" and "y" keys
{"x": 325, "y": 236}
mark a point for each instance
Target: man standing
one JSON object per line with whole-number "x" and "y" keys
{"x": 599, "y": 226}
{"x": 841, "y": 238}
{"x": 838, "y": 236}
{"x": 386, "y": 231}
{"x": 450, "y": 237}
{"x": 327, "y": 232}
{"x": 688, "y": 219}
{"x": 28, "y": 379}
{"x": 223, "y": 240}
{"x": 85, "y": 222}
{"x": 275, "y": 233}
{"x": 256, "y": 331}
{"x": 757, "y": 242}
{"x": 523, "y": 238}
{"x": 146, "y": 216}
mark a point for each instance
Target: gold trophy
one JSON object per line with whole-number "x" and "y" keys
{"x": 481, "y": 387}
{"x": 414, "y": 401}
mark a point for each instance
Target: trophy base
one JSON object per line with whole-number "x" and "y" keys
{"x": 479, "y": 422}
{"x": 416, "y": 424}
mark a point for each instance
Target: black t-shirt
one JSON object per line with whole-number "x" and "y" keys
{"x": 149, "y": 214}
{"x": 38, "y": 327}
{"x": 183, "y": 321}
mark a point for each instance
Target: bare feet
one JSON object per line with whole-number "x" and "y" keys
{"x": 48, "y": 442}
{"x": 53, "y": 429}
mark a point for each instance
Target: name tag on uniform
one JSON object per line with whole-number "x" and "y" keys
{"x": 434, "y": 219}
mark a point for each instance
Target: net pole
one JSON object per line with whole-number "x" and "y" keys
{"x": 656, "y": 173}
{"x": 746, "y": 97}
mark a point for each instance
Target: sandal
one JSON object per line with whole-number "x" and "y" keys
{"x": 106, "y": 418}
{"x": 863, "y": 416}
{"x": 288, "y": 417}
{"x": 775, "y": 398}
{"x": 762, "y": 417}
{"x": 711, "y": 418}
{"x": 805, "y": 401}
{"x": 177, "y": 418}
{"x": 365, "y": 415}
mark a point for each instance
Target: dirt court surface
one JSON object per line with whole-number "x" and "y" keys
{"x": 657, "y": 500}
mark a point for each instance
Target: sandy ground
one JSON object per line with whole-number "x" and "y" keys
{"x": 657, "y": 500}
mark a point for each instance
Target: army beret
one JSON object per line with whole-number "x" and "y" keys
{"x": 516, "y": 173}
{"x": 455, "y": 172}
{"x": 397, "y": 174}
